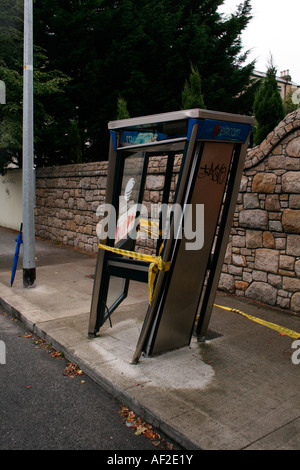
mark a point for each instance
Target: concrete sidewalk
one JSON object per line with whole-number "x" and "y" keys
{"x": 239, "y": 390}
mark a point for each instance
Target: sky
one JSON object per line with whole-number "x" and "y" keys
{"x": 274, "y": 29}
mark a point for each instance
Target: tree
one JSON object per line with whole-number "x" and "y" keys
{"x": 192, "y": 95}
{"x": 141, "y": 50}
{"x": 11, "y": 112}
{"x": 46, "y": 86}
{"x": 122, "y": 112}
{"x": 268, "y": 106}
{"x": 288, "y": 105}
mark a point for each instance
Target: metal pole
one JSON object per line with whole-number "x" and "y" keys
{"x": 28, "y": 171}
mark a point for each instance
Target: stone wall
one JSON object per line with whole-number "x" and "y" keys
{"x": 67, "y": 198}
{"x": 263, "y": 254}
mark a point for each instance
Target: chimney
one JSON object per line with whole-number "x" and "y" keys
{"x": 285, "y": 75}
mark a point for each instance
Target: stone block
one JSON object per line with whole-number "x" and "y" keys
{"x": 71, "y": 202}
{"x": 293, "y": 245}
{"x": 154, "y": 196}
{"x": 275, "y": 215}
{"x": 267, "y": 260}
{"x": 253, "y": 218}
{"x": 292, "y": 163}
{"x": 226, "y": 282}
{"x": 241, "y": 285}
{"x": 78, "y": 219}
{"x": 297, "y": 268}
{"x": 294, "y": 201}
{"x": 251, "y": 201}
{"x": 70, "y": 225}
{"x": 63, "y": 214}
{"x": 280, "y": 243}
{"x": 238, "y": 240}
{"x": 227, "y": 258}
{"x": 293, "y": 148}
{"x": 243, "y": 184}
{"x": 291, "y": 284}
{"x": 247, "y": 277}
{"x": 285, "y": 272}
{"x": 239, "y": 260}
{"x": 246, "y": 252}
{"x": 283, "y": 293}
{"x": 275, "y": 226}
{"x": 268, "y": 240}
{"x": 276, "y": 162}
{"x": 85, "y": 182}
{"x": 283, "y": 302}
{"x": 272, "y": 202}
{"x": 291, "y": 182}
{"x": 88, "y": 229}
{"x": 295, "y": 302}
{"x": 254, "y": 239}
{"x": 291, "y": 220}
{"x": 155, "y": 182}
{"x": 262, "y": 292}
{"x": 277, "y": 150}
{"x": 81, "y": 204}
{"x": 286, "y": 262}
{"x": 275, "y": 280}
{"x": 235, "y": 270}
{"x": 264, "y": 183}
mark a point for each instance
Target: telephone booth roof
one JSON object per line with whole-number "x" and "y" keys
{"x": 185, "y": 114}
{"x": 176, "y": 126}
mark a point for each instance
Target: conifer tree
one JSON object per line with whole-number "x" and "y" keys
{"x": 192, "y": 94}
{"x": 268, "y": 106}
{"x": 122, "y": 111}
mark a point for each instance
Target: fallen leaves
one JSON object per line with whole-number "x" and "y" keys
{"x": 72, "y": 370}
{"x": 142, "y": 428}
{"x": 57, "y": 354}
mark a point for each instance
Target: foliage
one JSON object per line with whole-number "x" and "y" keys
{"x": 122, "y": 112}
{"x": 137, "y": 49}
{"x": 268, "y": 107}
{"x": 47, "y": 85}
{"x": 288, "y": 104}
{"x": 140, "y": 50}
{"x": 192, "y": 94}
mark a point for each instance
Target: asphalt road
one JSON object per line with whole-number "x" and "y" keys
{"x": 42, "y": 408}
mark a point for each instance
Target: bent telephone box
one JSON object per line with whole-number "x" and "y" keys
{"x": 190, "y": 242}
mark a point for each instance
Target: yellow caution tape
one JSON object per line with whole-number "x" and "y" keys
{"x": 146, "y": 226}
{"x": 273, "y": 326}
{"x": 156, "y": 264}
{"x": 150, "y": 223}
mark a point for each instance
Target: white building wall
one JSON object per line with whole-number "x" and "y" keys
{"x": 11, "y": 199}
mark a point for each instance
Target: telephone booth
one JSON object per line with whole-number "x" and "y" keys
{"x": 189, "y": 243}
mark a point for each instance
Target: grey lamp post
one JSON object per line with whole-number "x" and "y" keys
{"x": 29, "y": 272}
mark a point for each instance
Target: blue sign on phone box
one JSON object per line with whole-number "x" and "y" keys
{"x": 210, "y": 129}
